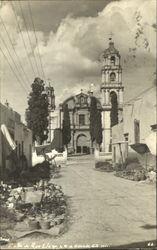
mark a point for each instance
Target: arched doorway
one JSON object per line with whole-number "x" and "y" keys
{"x": 82, "y": 144}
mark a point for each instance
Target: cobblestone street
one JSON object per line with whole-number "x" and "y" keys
{"x": 104, "y": 209}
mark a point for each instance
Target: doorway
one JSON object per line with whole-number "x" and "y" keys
{"x": 83, "y": 146}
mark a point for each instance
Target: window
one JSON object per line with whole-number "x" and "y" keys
{"x": 112, "y": 60}
{"x": 81, "y": 120}
{"x": 154, "y": 127}
{"x": 137, "y": 131}
{"x": 112, "y": 77}
{"x": 82, "y": 99}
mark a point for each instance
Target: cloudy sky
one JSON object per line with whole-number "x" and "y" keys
{"x": 69, "y": 37}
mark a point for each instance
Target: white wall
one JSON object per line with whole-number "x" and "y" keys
{"x": 106, "y": 131}
{"x": 22, "y": 134}
{"x": 144, "y": 110}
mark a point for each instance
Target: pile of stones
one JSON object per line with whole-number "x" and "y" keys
{"x": 40, "y": 206}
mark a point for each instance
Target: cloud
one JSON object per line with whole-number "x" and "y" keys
{"x": 78, "y": 42}
{"x": 70, "y": 55}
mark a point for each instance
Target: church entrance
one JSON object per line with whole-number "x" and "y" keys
{"x": 83, "y": 145}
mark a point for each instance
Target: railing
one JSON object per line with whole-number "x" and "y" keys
{"x": 112, "y": 84}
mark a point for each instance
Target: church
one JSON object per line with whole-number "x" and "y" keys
{"x": 79, "y": 106}
{"x": 79, "y": 112}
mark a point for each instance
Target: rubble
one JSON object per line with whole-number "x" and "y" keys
{"x": 131, "y": 170}
{"x": 151, "y": 176}
{"x": 41, "y": 206}
{"x": 134, "y": 175}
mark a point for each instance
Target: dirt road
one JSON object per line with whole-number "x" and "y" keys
{"x": 104, "y": 210}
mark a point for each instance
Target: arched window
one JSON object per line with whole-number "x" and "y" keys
{"x": 112, "y": 60}
{"x": 113, "y": 96}
{"x": 114, "y": 108}
{"x": 112, "y": 77}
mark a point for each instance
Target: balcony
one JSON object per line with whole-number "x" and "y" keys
{"x": 112, "y": 85}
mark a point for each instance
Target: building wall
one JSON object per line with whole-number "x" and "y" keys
{"x": 19, "y": 133}
{"x": 23, "y": 139}
{"x": 1, "y": 156}
{"x": 119, "y": 144}
{"x": 9, "y": 117}
{"x": 106, "y": 131}
{"x": 80, "y": 132}
{"x": 54, "y": 123}
{"x": 143, "y": 110}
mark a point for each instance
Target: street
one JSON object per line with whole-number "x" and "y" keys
{"x": 103, "y": 209}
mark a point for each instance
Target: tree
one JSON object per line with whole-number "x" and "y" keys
{"x": 98, "y": 128}
{"x": 95, "y": 122}
{"x": 93, "y": 112}
{"x": 114, "y": 109}
{"x": 37, "y": 112}
{"x": 66, "y": 126}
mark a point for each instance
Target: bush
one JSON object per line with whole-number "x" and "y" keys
{"x": 104, "y": 166}
{"x": 36, "y": 173}
{"x": 134, "y": 166}
{"x": 118, "y": 167}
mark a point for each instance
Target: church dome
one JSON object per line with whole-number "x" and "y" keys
{"x": 110, "y": 50}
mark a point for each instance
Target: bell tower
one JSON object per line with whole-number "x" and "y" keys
{"x": 51, "y": 108}
{"x": 111, "y": 83}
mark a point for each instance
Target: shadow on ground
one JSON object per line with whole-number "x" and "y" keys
{"x": 148, "y": 226}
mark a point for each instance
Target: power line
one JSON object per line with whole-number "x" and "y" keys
{"x": 28, "y": 36}
{"x": 13, "y": 49}
{"x": 29, "y": 6}
{"x": 21, "y": 34}
{"x": 10, "y": 55}
{"x": 13, "y": 70}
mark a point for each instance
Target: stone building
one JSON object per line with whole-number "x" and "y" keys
{"x": 79, "y": 111}
{"x": 136, "y": 136}
{"x": 21, "y": 135}
{"x": 111, "y": 82}
{"x": 79, "y": 106}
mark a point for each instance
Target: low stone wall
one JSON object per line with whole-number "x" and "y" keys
{"x": 102, "y": 156}
{"x": 61, "y": 158}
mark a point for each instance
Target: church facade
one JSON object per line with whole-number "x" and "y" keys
{"x": 79, "y": 112}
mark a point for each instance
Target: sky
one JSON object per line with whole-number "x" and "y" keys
{"x": 69, "y": 37}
